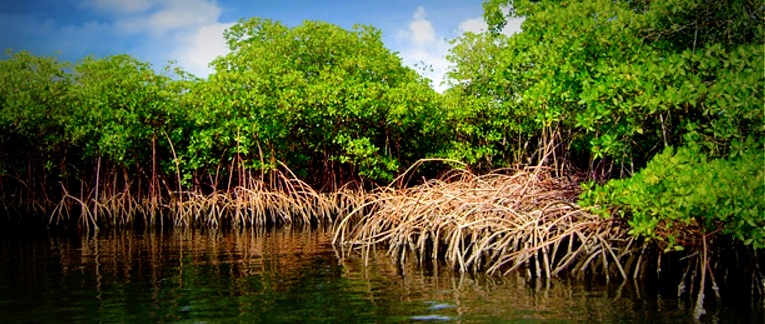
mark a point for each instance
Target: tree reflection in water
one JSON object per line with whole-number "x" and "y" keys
{"x": 289, "y": 275}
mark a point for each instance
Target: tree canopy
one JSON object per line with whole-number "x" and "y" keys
{"x": 643, "y": 92}
{"x": 614, "y": 86}
{"x": 324, "y": 100}
{"x": 333, "y": 105}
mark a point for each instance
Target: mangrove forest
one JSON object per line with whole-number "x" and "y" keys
{"x": 607, "y": 139}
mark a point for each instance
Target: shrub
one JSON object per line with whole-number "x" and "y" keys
{"x": 682, "y": 195}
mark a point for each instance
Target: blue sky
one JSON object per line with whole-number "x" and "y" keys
{"x": 190, "y": 31}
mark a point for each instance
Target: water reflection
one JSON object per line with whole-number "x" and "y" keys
{"x": 288, "y": 275}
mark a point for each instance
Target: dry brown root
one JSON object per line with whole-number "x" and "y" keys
{"x": 497, "y": 222}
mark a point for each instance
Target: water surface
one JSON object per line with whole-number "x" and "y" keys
{"x": 291, "y": 275}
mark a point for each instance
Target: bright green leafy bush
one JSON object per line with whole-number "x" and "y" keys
{"x": 609, "y": 82}
{"x": 332, "y": 104}
{"x": 681, "y": 194}
{"x": 613, "y": 85}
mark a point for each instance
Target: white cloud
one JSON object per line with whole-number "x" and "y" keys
{"x": 162, "y": 17}
{"x": 423, "y": 45}
{"x": 420, "y": 29}
{"x": 513, "y": 26}
{"x": 473, "y": 25}
{"x": 202, "y": 47}
{"x": 478, "y": 25}
{"x": 187, "y": 31}
{"x": 423, "y": 49}
{"x": 184, "y": 14}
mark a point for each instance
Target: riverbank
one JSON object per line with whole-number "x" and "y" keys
{"x": 523, "y": 220}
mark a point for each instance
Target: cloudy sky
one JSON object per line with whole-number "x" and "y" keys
{"x": 190, "y": 31}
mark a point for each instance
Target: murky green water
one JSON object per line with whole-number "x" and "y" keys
{"x": 290, "y": 275}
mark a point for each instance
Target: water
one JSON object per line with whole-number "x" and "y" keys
{"x": 291, "y": 275}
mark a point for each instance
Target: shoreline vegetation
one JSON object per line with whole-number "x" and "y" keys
{"x": 498, "y": 222}
{"x": 523, "y": 219}
{"x": 605, "y": 139}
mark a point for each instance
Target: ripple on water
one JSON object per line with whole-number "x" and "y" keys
{"x": 425, "y": 318}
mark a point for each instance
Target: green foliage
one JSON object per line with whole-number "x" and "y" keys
{"x": 681, "y": 194}
{"x": 622, "y": 81}
{"x": 683, "y": 24}
{"x": 623, "y": 78}
{"x": 32, "y": 100}
{"x": 119, "y": 107}
{"x": 33, "y": 118}
{"x": 597, "y": 82}
{"x": 331, "y": 104}
{"x": 68, "y": 128}
{"x": 482, "y": 109}
{"x": 311, "y": 96}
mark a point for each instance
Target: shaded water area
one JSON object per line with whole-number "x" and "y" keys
{"x": 293, "y": 275}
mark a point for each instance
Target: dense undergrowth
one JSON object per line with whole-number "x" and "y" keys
{"x": 497, "y": 222}
{"x": 654, "y": 108}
